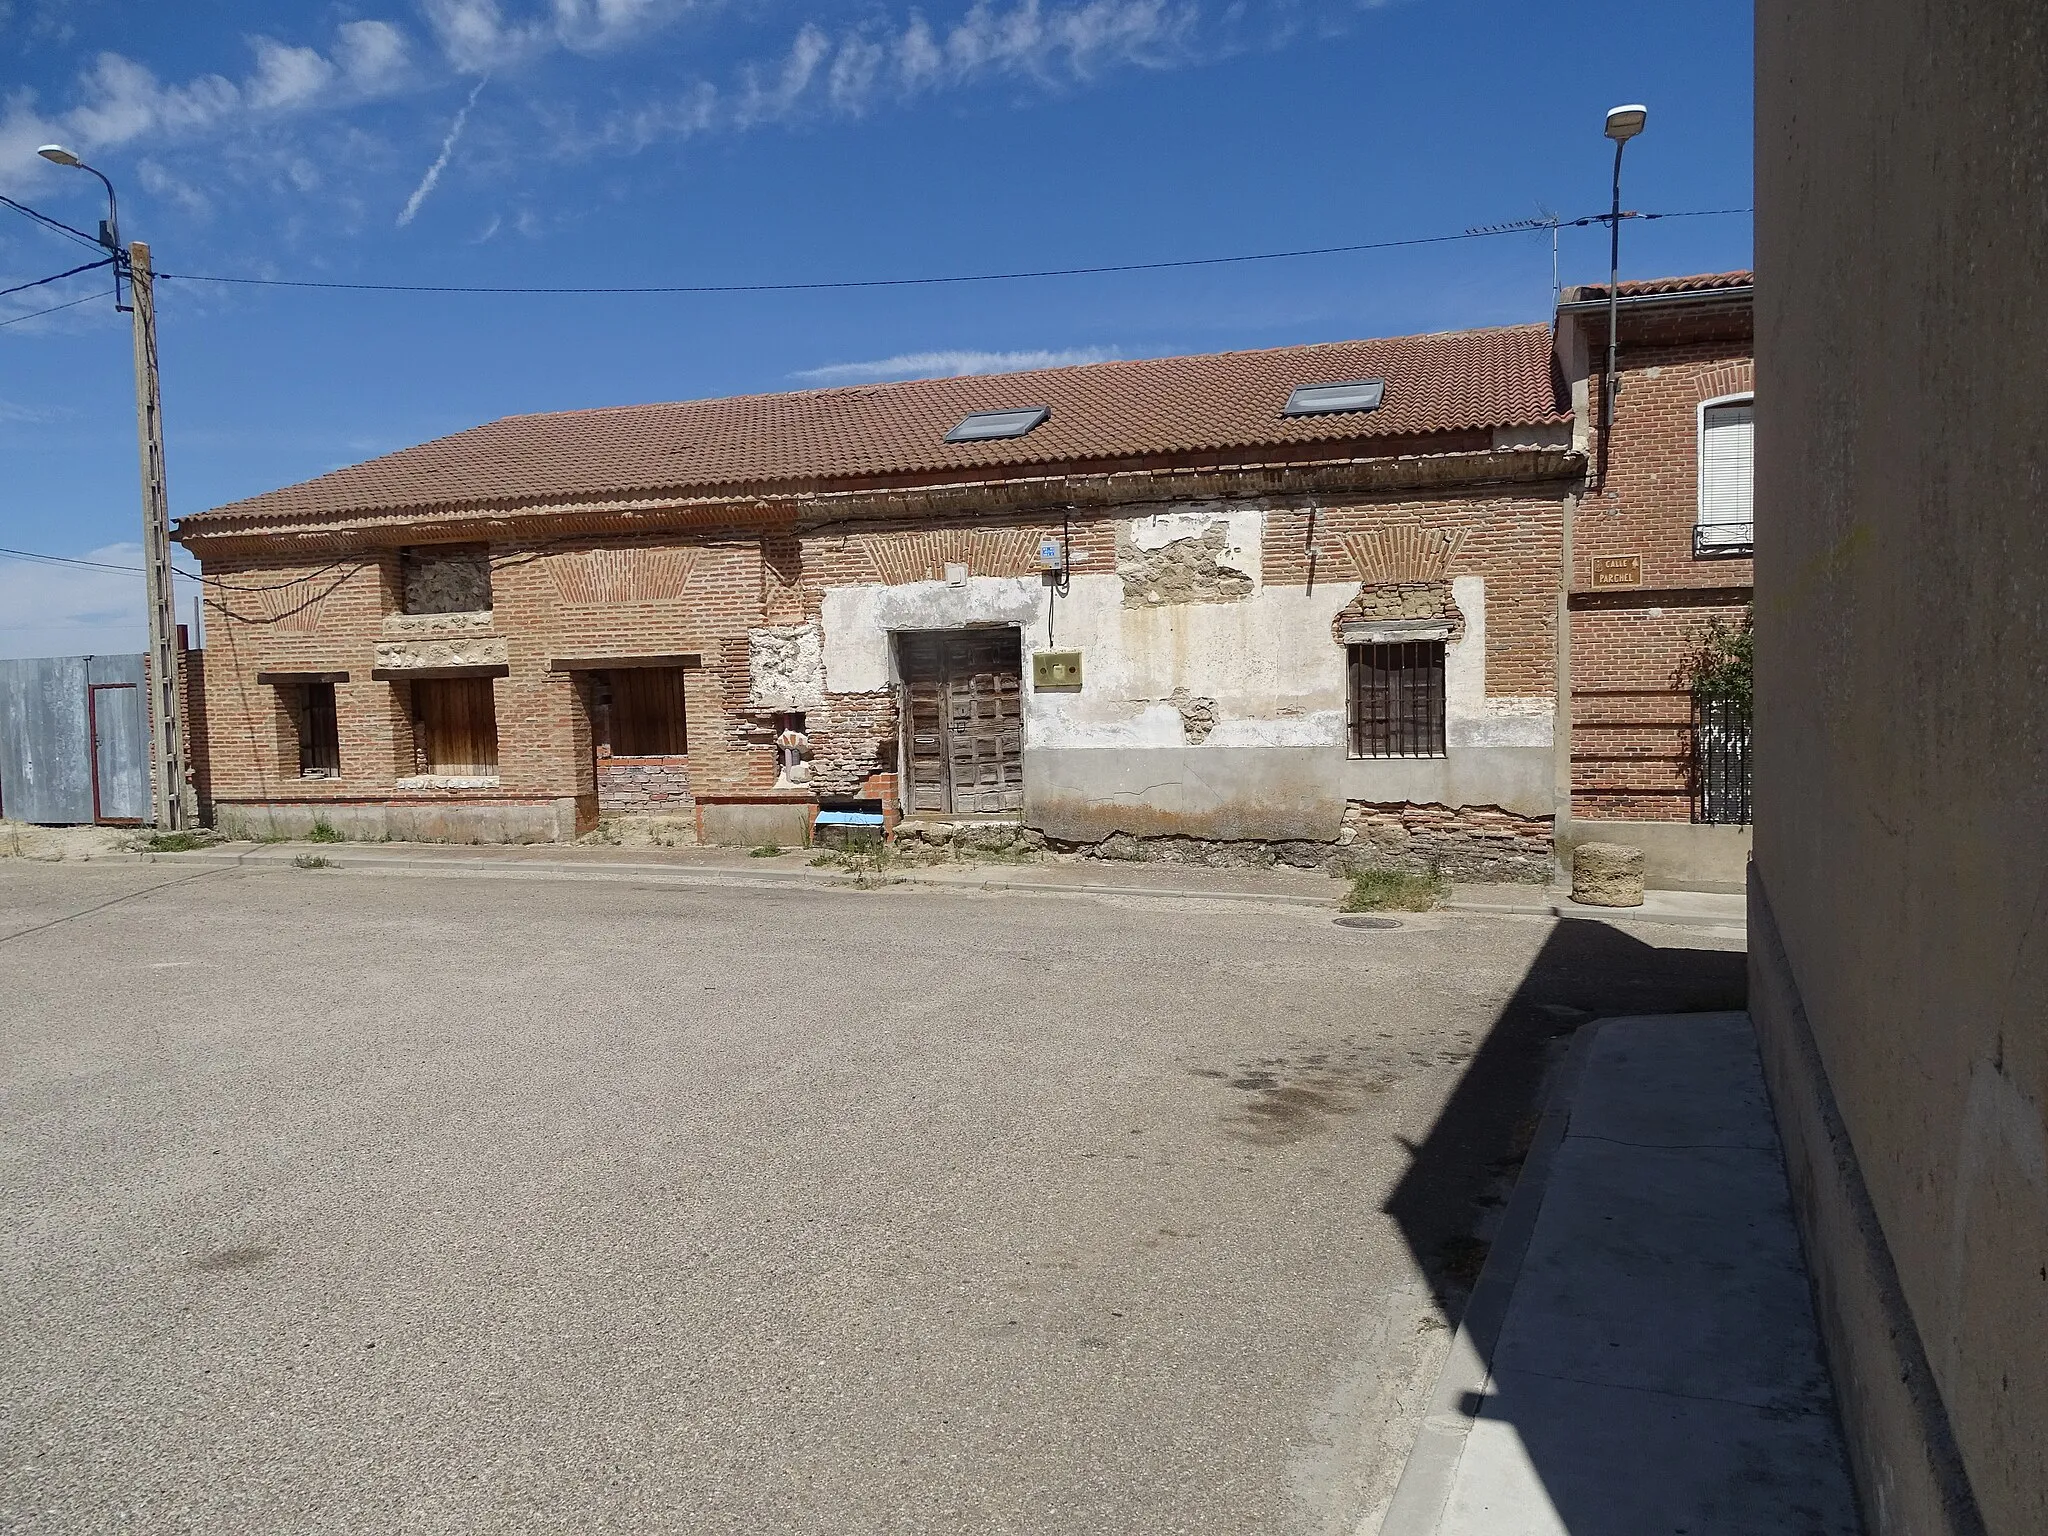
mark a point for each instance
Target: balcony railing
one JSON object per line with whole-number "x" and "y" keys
{"x": 1721, "y": 541}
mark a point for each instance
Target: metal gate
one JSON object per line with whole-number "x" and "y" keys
{"x": 74, "y": 740}
{"x": 963, "y": 720}
{"x": 1720, "y": 762}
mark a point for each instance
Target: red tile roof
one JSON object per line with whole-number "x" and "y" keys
{"x": 1705, "y": 282}
{"x": 1120, "y": 411}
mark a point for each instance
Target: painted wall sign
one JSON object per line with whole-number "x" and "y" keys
{"x": 1617, "y": 570}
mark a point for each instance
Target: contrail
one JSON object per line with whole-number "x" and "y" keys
{"x": 419, "y": 193}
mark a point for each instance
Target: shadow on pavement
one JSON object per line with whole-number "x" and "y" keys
{"x": 1466, "y": 1164}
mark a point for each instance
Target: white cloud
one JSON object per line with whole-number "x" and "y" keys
{"x": 373, "y": 54}
{"x": 124, "y": 101}
{"x": 433, "y": 176}
{"x": 774, "y": 100}
{"x": 591, "y": 26}
{"x": 285, "y": 77}
{"x": 159, "y": 181}
{"x": 475, "y": 38}
{"x": 1049, "y": 44}
{"x": 951, "y": 364}
{"x": 12, "y": 413}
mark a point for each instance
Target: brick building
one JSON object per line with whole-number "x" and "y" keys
{"x": 1660, "y": 546}
{"x": 1305, "y": 598}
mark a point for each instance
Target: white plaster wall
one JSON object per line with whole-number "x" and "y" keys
{"x": 1268, "y": 660}
{"x": 1242, "y": 542}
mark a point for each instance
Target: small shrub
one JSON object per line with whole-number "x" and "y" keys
{"x": 313, "y": 861}
{"x": 174, "y": 842}
{"x": 323, "y": 832}
{"x": 867, "y": 864}
{"x": 1394, "y": 890}
{"x": 1721, "y": 667}
{"x": 765, "y": 851}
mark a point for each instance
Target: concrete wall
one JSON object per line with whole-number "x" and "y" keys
{"x": 1677, "y": 855}
{"x": 1902, "y": 731}
{"x": 503, "y": 821}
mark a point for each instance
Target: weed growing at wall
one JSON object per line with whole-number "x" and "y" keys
{"x": 174, "y": 842}
{"x": 324, "y": 833}
{"x": 1394, "y": 890}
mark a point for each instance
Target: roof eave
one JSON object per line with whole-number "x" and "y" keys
{"x": 1743, "y": 294}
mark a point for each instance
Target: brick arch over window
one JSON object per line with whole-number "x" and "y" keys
{"x": 1729, "y": 379}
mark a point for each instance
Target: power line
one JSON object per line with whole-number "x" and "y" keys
{"x": 58, "y": 226}
{"x": 97, "y": 565}
{"x": 922, "y": 282}
{"x": 90, "y": 266}
{"x": 354, "y": 564}
{"x": 67, "y": 304}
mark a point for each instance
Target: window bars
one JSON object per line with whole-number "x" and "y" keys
{"x": 1397, "y": 699}
{"x": 1720, "y": 762}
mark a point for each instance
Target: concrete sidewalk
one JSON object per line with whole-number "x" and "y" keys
{"x": 1639, "y": 1355}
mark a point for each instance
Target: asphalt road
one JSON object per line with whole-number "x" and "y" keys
{"x": 340, "y": 1201}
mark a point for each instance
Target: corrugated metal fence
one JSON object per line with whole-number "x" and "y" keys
{"x": 74, "y": 740}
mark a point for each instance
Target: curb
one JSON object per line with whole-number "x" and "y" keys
{"x": 757, "y": 878}
{"x": 1419, "y": 1498}
{"x": 1573, "y": 909}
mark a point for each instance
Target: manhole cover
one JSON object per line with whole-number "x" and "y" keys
{"x": 1367, "y": 922}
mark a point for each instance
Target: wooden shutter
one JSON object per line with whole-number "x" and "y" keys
{"x": 1727, "y": 472}
{"x": 457, "y": 722}
{"x": 647, "y": 718}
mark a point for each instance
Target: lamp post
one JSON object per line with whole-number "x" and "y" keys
{"x": 1623, "y": 124}
{"x": 167, "y": 705}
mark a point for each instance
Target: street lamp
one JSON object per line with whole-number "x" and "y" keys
{"x": 110, "y": 227}
{"x": 167, "y": 712}
{"x": 1623, "y": 124}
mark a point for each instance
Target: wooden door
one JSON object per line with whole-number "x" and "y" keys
{"x": 963, "y": 709}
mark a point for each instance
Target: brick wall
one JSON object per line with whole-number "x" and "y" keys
{"x": 1513, "y": 541}
{"x": 1631, "y": 716}
{"x": 644, "y": 786}
{"x": 701, "y": 592}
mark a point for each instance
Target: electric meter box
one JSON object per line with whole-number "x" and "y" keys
{"x": 1056, "y": 672}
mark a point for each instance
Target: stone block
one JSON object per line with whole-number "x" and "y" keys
{"x": 1607, "y": 875}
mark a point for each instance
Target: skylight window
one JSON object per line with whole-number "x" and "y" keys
{"x": 1335, "y": 399}
{"x": 987, "y": 426}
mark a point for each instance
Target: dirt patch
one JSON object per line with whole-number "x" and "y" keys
{"x": 55, "y": 845}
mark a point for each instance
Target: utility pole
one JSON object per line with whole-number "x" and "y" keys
{"x": 167, "y": 703}
{"x": 174, "y": 807}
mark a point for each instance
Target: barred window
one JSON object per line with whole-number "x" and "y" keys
{"x": 1397, "y": 699}
{"x": 319, "y": 733}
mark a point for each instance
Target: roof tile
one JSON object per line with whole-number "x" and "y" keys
{"x": 1132, "y": 410}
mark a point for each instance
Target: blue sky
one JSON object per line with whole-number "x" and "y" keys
{"x": 630, "y": 142}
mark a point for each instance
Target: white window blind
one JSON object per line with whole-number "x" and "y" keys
{"x": 1727, "y": 472}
